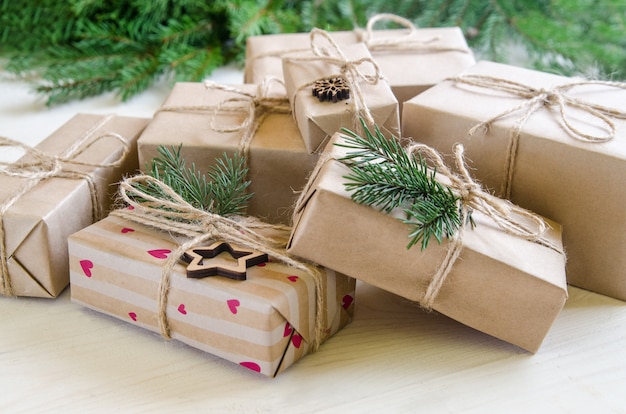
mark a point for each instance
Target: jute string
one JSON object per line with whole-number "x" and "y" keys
{"x": 510, "y": 218}
{"x": 172, "y": 214}
{"x": 535, "y": 99}
{"x": 324, "y": 49}
{"x": 408, "y": 42}
{"x": 42, "y": 166}
{"x": 255, "y": 107}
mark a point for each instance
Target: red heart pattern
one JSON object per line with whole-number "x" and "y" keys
{"x": 347, "y": 301}
{"x": 292, "y": 278}
{"x": 232, "y": 305}
{"x": 133, "y": 316}
{"x": 159, "y": 253}
{"x": 86, "y": 265}
{"x": 127, "y": 230}
{"x": 251, "y": 365}
{"x": 296, "y": 340}
{"x": 181, "y": 309}
{"x": 288, "y": 330}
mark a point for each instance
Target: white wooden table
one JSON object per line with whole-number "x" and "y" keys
{"x": 56, "y": 356}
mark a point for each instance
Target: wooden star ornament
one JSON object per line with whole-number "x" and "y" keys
{"x": 205, "y": 261}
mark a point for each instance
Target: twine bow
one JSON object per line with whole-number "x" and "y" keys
{"x": 351, "y": 70}
{"x": 407, "y": 42}
{"x": 510, "y": 218}
{"x": 172, "y": 213}
{"x": 534, "y": 99}
{"x": 41, "y": 166}
{"x": 254, "y": 107}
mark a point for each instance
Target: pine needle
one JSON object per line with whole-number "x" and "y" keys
{"x": 221, "y": 191}
{"x": 384, "y": 176}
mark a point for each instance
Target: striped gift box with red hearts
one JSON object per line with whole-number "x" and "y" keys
{"x": 264, "y": 323}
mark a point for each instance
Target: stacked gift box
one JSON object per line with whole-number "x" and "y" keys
{"x": 549, "y": 144}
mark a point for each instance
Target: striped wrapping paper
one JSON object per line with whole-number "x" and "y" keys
{"x": 265, "y": 323}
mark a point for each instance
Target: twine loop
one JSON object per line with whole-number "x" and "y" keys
{"x": 510, "y": 218}
{"x": 255, "y": 107}
{"x": 171, "y": 213}
{"x": 41, "y": 166}
{"x": 355, "y": 72}
{"x": 537, "y": 98}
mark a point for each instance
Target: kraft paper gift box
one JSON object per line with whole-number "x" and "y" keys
{"x": 318, "y": 121}
{"x": 36, "y": 224}
{"x": 501, "y": 284}
{"x": 277, "y": 159}
{"x": 411, "y": 60}
{"x": 264, "y": 323}
{"x": 553, "y": 171}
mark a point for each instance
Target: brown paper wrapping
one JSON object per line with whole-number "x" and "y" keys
{"x": 580, "y": 185}
{"x": 38, "y": 223}
{"x": 278, "y": 161}
{"x": 501, "y": 284}
{"x": 264, "y": 323}
{"x": 318, "y": 121}
{"x": 409, "y": 71}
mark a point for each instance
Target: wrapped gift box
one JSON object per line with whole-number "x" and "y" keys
{"x": 278, "y": 161}
{"x": 265, "y": 323}
{"x": 501, "y": 284}
{"x": 411, "y": 61}
{"x": 581, "y": 185}
{"x": 318, "y": 121}
{"x": 36, "y": 224}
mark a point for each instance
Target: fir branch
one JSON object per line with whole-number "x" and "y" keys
{"x": 82, "y": 48}
{"x": 223, "y": 193}
{"x": 383, "y": 175}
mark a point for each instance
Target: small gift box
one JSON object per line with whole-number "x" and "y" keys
{"x": 431, "y": 54}
{"x": 56, "y": 189}
{"x": 330, "y": 87}
{"x": 210, "y": 120}
{"x": 264, "y": 323}
{"x": 552, "y": 144}
{"x": 487, "y": 278}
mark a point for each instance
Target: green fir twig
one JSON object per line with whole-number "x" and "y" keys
{"x": 383, "y": 175}
{"x": 221, "y": 191}
{"x": 81, "y": 48}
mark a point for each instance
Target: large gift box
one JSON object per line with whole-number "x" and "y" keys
{"x": 326, "y": 67}
{"x": 264, "y": 323}
{"x": 552, "y": 144}
{"x": 210, "y": 120}
{"x": 501, "y": 284}
{"x": 56, "y": 189}
{"x": 410, "y": 59}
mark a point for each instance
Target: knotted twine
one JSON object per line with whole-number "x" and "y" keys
{"x": 536, "y": 98}
{"x": 173, "y": 214}
{"x": 44, "y": 166}
{"x": 254, "y": 107}
{"x": 349, "y": 70}
{"x": 408, "y": 42}
{"x": 510, "y": 218}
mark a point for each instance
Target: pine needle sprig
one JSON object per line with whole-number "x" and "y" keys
{"x": 223, "y": 190}
{"x": 383, "y": 175}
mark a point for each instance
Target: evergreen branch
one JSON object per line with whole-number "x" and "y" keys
{"x": 384, "y": 176}
{"x": 223, "y": 193}
{"x": 102, "y": 46}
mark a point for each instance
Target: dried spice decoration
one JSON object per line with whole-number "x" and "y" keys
{"x": 331, "y": 89}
